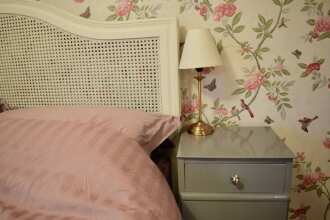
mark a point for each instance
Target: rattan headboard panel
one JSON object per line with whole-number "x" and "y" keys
{"x": 53, "y": 59}
{"x": 43, "y": 65}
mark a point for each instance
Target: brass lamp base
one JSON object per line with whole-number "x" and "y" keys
{"x": 200, "y": 128}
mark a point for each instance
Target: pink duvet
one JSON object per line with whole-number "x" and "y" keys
{"x": 53, "y": 170}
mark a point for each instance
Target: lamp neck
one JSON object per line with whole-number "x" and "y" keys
{"x": 199, "y": 78}
{"x": 199, "y": 69}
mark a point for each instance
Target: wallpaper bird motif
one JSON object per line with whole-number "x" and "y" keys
{"x": 276, "y": 72}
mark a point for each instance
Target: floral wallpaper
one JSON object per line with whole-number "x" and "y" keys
{"x": 276, "y": 72}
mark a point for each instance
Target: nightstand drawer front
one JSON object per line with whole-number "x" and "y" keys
{"x": 234, "y": 210}
{"x": 215, "y": 177}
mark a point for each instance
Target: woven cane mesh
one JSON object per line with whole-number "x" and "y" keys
{"x": 42, "y": 65}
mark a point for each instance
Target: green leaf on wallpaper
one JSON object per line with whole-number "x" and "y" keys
{"x": 287, "y": 105}
{"x": 300, "y": 177}
{"x": 286, "y": 2}
{"x": 277, "y": 2}
{"x": 321, "y": 61}
{"x": 219, "y": 29}
{"x": 305, "y": 8}
{"x": 264, "y": 49}
{"x": 268, "y": 35}
{"x": 229, "y": 27}
{"x": 309, "y": 189}
{"x": 311, "y": 22}
{"x": 304, "y": 74}
{"x": 320, "y": 7}
{"x": 278, "y": 73}
{"x": 111, "y": 18}
{"x": 315, "y": 86}
{"x": 286, "y": 72}
{"x": 302, "y": 65}
{"x": 262, "y": 19}
{"x": 238, "y": 29}
{"x": 258, "y": 29}
{"x": 248, "y": 94}
{"x": 319, "y": 192}
{"x": 266, "y": 84}
{"x": 220, "y": 46}
{"x": 246, "y": 57}
{"x": 324, "y": 35}
{"x": 112, "y": 8}
{"x": 236, "y": 19}
{"x": 284, "y": 93}
{"x": 269, "y": 23}
{"x": 240, "y": 81}
{"x": 215, "y": 120}
{"x": 328, "y": 132}
{"x": 285, "y": 85}
{"x": 259, "y": 35}
{"x": 216, "y": 104}
{"x": 238, "y": 91}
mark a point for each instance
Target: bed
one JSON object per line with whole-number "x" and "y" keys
{"x": 92, "y": 100}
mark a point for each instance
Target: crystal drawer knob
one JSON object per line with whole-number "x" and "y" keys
{"x": 235, "y": 179}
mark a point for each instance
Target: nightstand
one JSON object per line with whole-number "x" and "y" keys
{"x": 234, "y": 174}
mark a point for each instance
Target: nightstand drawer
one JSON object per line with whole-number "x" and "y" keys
{"x": 215, "y": 177}
{"x": 234, "y": 210}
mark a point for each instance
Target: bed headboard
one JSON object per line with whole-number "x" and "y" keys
{"x": 50, "y": 57}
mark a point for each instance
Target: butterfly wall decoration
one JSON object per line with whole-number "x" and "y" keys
{"x": 211, "y": 86}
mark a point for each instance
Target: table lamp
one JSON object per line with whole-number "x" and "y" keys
{"x": 199, "y": 51}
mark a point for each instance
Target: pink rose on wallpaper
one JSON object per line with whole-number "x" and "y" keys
{"x": 203, "y": 9}
{"x": 326, "y": 143}
{"x": 222, "y": 111}
{"x": 313, "y": 67}
{"x": 272, "y": 97}
{"x": 189, "y": 106}
{"x": 311, "y": 179}
{"x": 279, "y": 67}
{"x": 124, "y": 7}
{"x": 221, "y": 10}
{"x": 218, "y": 13}
{"x": 230, "y": 9}
{"x": 299, "y": 213}
{"x": 254, "y": 81}
{"x": 300, "y": 156}
{"x": 79, "y": 1}
{"x": 322, "y": 24}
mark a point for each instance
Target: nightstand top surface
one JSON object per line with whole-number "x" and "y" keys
{"x": 238, "y": 142}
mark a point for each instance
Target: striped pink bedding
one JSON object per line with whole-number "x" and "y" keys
{"x": 55, "y": 170}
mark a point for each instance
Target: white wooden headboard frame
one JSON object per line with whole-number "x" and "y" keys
{"x": 50, "y": 57}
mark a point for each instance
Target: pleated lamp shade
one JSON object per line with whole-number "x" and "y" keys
{"x": 199, "y": 50}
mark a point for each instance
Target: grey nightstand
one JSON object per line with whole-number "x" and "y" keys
{"x": 234, "y": 174}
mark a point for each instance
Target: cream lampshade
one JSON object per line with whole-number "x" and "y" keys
{"x": 199, "y": 51}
